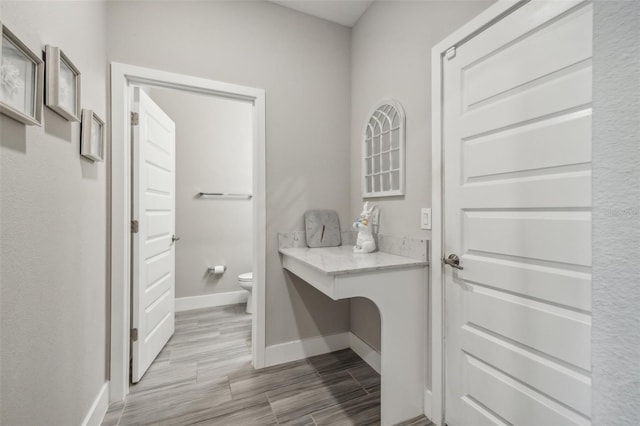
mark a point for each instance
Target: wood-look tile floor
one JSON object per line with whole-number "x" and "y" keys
{"x": 204, "y": 376}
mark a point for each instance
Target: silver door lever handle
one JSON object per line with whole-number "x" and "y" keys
{"x": 453, "y": 260}
{"x": 174, "y": 239}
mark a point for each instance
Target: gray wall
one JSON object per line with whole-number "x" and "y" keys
{"x": 391, "y": 57}
{"x": 616, "y": 214}
{"x": 213, "y": 154}
{"x": 303, "y": 63}
{"x": 53, "y": 234}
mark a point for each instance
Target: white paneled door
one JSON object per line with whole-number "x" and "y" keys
{"x": 153, "y": 254}
{"x": 517, "y": 213}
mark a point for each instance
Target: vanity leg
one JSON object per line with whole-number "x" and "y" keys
{"x": 400, "y": 295}
{"x": 403, "y": 364}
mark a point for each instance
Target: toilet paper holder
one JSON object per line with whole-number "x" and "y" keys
{"x": 217, "y": 269}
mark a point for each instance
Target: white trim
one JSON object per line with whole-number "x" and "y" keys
{"x": 437, "y": 366}
{"x": 122, "y": 76}
{"x": 211, "y": 300}
{"x": 296, "y": 350}
{"x": 428, "y": 398}
{"x": 300, "y": 349}
{"x": 365, "y": 351}
{"x": 98, "y": 409}
{"x": 436, "y": 297}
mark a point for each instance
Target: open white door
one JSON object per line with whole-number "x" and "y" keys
{"x": 153, "y": 254}
{"x": 517, "y": 212}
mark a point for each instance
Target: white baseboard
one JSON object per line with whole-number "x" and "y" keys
{"x": 211, "y": 300}
{"x": 99, "y": 407}
{"x": 300, "y": 349}
{"x": 366, "y": 352}
{"x": 305, "y": 348}
{"x": 428, "y": 411}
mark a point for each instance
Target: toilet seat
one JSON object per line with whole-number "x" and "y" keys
{"x": 246, "y": 277}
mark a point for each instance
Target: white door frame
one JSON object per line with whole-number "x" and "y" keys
{"x": 494, "y": 13}
{"x": 122, "y": 76}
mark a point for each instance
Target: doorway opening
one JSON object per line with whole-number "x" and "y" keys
{"x": 123, "y": 79}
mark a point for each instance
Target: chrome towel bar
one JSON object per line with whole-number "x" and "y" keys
{"x": 224, "y": 195}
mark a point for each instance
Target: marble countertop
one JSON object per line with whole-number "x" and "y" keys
{"x": 342, "y": 260}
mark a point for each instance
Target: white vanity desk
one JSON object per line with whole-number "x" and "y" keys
{"x": 398, "y": 286}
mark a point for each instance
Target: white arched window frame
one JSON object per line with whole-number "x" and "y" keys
{"x": 383, "y": 151}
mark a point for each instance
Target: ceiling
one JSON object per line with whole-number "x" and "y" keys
{"x": 344, "y": 12}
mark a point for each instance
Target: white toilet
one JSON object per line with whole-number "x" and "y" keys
{"x": 246, "y": 283}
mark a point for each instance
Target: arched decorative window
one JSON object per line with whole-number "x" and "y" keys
{"x": 383, "y": 151}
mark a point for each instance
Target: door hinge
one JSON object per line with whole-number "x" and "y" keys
{"x": 134, "y": 334}
{"x": 135, "y": 118}
{"x": 450, "y": 53}
{"x": 134, "y": 226}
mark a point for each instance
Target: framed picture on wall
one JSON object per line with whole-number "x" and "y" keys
{"x": 63, "y": 84}
{"x": 92, "y": 136}
{"x": 21, "y": 81}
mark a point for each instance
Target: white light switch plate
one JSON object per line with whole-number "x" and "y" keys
{"x": 425, "y": 218}
{"x": 375, "y": 216}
